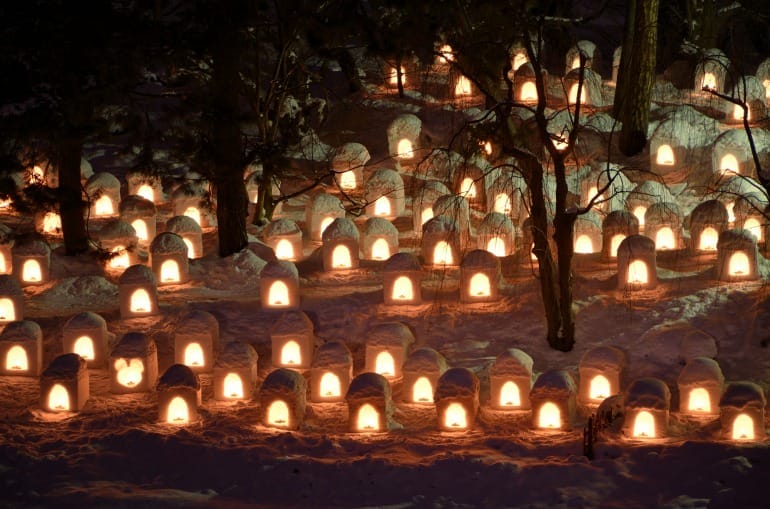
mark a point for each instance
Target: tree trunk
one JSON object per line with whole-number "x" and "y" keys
{"x": 263, "y": 212}
{"x": 564, "y": 220}
{"x": 399, "y": 75}
{"x": 624, "y": 69}
{"x": 71, "y": 204}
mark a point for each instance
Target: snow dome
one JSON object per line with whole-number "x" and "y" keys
{"x": 140, "y": 213}
{"x": 497, "y": 234}
{"x": 457, "y": 399}
{"x": 133, "y": 364}
{"x": 11, "y": 299}
{"x": 196, "y": 341}
{"x": 21, "y": 349}
{"x": 749, "y": 214}
{"x": 644, "y": 195}
{"x": 148, "y": 187}
{"x": 348, "y": 164}
{"x": 524, "y": 87}
{"x": 422, "y": 369}
{"x": 379, "y": 239}
{"x": 370, "y": 405}
{"x": 591, "y": 94}
{"x": 402, "y": 280}
{"x": 189, "y": 200}
{"x": 340, "y": 248}
{"x": 282, "y": 399}
{"x": 279, "y": 285}
{"x": 506, "y": 194}
{"x": 469, "y": 182}
{"x": 479, "y": 277}
{"x": 701, "y": 383}
{"x": 601, "y": 374}
{"x": 235, "y": 372}
{"x": 588, "y": 50}
{"x": 711, "y": 71}
{"x": 742, "y": 412}
{"x": 386, "y": 346}
{"x": 320, "y": 212}
{"x": 191, "y": 234}
{"x": 86, "y": 334}
{"x": 707, "y": 221}
{"x": 292, "y": 340}
{"x": 32, "y": 260}
{"x": 64, "y": 384}
{"x": 285, "y": 238}
{"x": 637, "y": 267}
{"x": 457, "y": 208}
{"x": 553, "y": 400}
{"x": 422, "y": 203}
{"x": 441, "y": 241}
{"x": 510, "y": 380}
{"x": 168, "y": 257}
{"x": 588, "y": 233}
{"x": 119, "y": 238}
{"x": 730, "y": 154}
{"x": 750, "y": 91}
{"x": 647, "y": 402}
{"x": 385, "y": 194}
{"x": 179, "y": 395}
{"x": 663, "y": 224}
{"x": 331, "y": 372}
{"x": 103, "y": 191}
{"x": 404, "y": 137}
{"x": 6, "y": 246}
{"x": 737, "y": 256}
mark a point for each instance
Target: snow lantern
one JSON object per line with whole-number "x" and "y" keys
{"x": 588, "y": 233}
{"x": 441, "y": 242}
{"x": 742, "y": 412}
{"x": 285, "y": 238}
{"x": 644, "y": 195}
{"x": 133, "y": 364}
{"x": 385, "y": 194}
{"x": 402, "y": 280}
{"x": 469, "y": 182}
{"x": 553, "y": 400}
{"x": 748, "y": 211}
{"x": 292, "y": 340}
{"x": 763, "y": 75}
{"x": 707, "y": 221}
{"x": 457, "y": 208}
{"x": 64, "y": 384}
{"x": 647, "y": 403}
{"x": 479, "y": 277}
{"x": 119, "y": 238}
{"x": 86, "y": 334}
{"x": 190, "y": 200}
{"x": 510, "y": 380}
{"x": 235, "y": 372}
{"x": 138, "y": 292}
{"x": 506, "y": 194}
{"x": 379, "y": 239}
{"x": 340, "y": 248}
{"x": 279, "y": 285}
{"x": 601, "y": 372}
{"x": 616, "y": 63}
{"x": 711, "y": 71}
{"x": 103, "y": 191}
{"x": 457, "y": 399}
{"x": 6, "y": 250}
{"x": 497, "y": 235}
{"x": 179, "y": 395}
{"x": 168, "y": 256}
{"x": 591, "y": 92}
{"x": 386, "y": 346}
{"x": 463, "y": 87}
{"x": 404, "y": 137}
{"x": 587, "y": 50}
{"x": 148, "y": 187}
{"x": 737, "y": 256}
{"x": 320, "y": 212}
{"x": 21, "y": 349}
{"x": 348, "y": 165}
{"x": 191, "y": 234}
{"x": 140, "y": 213}
{"x": 663, "y": 224}
{"x": 48, "y": 222}
{"x": 282, "y": 399}
{"x": 32, "y": 261}
{"x": 749, "y": 90}
{"x": 11, "y": 299}
{"x": 422, "y": 203}
{"x": 196, "y": 341}
{"x": 701, "y": 383}
{"x": 370, "y": 405}
{"x": 331, "y": 372}
{"x": 251, "y": 181}
{"x": 422, "y": 370}
{"x": 637, "y": 268}
{"x": 730, "y": 154}
{"x": 524, "y": 87}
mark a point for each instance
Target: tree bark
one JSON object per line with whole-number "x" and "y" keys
{"x": 71, "y": 204}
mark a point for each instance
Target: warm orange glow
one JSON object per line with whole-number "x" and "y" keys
{"x": 384, "y": 364}
{"x": 738, "y": 112}
{"x": 739, "y": 264}
{"x": 3, "y": 268}
{"x": 129, "y": 373}
{"x": 560, "y": 143}
{"x": 103, "y": 206}
{"x": 699, "y": 400}
{"x": 348, "y": 180}
{"x": 141, "y": 229}
{"x": 502, "y": 204}
{"x": 7, "y": 310}
{"x": 394, "y": 76}
{"x": 169, "y": 271}
{"x": 190, "y": 247}
{"x": 766, "y": 84}
{"x": 752, "y": 225}
{"x": 119, "y": 260}
{"x": 518, "y": 60}
{"x": 193, "y": 213}
{"x": 743, "y": 428}
{"x": 644, "y": 425}
{"x": 177, "y": 412}
{"x": 730, "y": 206}
{"x": 479, "y": 286}
{"x": 330, "y": 385}
{"x": 488, "y": 147}
{"x": 58, "y": 399}
{"x": 664, "y": 239}
{"x": 31, "y": 271}
{"x": 253, "y": 193}
{"x": 708, "y": 239}
{"x": 284, "y": 250}
{"x": 380, "y": 249}
{"x": 665, "y": 156}
{"x": 341, "y": 257}
{"x": 84, "y": 347}
{"x": 729, "y": 163}
{"x": 510, "y": 394}
{"x": 455, "y": 416}
{"x": 639, "y": 213}
{"x": 599, "y": 388}
{"x": 368, "y": 418}
{"x": 528, "y": 92}
{"x": 140, "y": 301}
{"x": 573, "y": 90}
{"x": 402, "y": 289}
{"x": 584, "y": 244}
{"x": 614, "y": 243}
{"x": 463, "y": 86}
{"x": 549, "y": 416}
{"x": 446, "y": 54}
{"x": 51, "y": 223}
{"x": 278, "y": 414}
{"x": 426, "y": 215}
{"x": 325, "y": 222}
{"x": 290, "y": 354}
{"x": 637, "y": 273}
{"x": 16, "y": 359}
{"x": 382, "y": 206}
{"x": 442, "y": 254}
{"x": 405, "y": 149}
{"x": 496, "y": 246}
{"x": 37, "y": 175}
{"x": 709, "y": 81}
{"x": 594, "y": 192}
{"x": 575, "y": 62}
{"x": 468, "y": 188}
{"x": 233, "y": 386}
{"x": 146, "y": 192}
{"x": 422, "y": 391}
{"x": 193, "y": 355}
{"x": 278, "y": 294}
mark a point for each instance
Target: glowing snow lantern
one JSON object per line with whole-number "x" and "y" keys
{"x": 743, "y": 428}
{"x": 368, "y": 418}
{"x": 707, "y": 220}
{"x": 601, "y": 371}
{"x": 422, "y": 391}
{"x": 664, "y": 239}
{"x": 422, "y": 370}
{"x": 168, "y": 256}
{"x": 496, "y": 234}
{"x": 502, "y": 203}
{"x": 708, "y": 239}
{"x": 401, "y": 280}
{"x": 647, "y": 403}
{"x": 549, "y": 416}
{"x": 497, "y": 247}
{"x": 518, "y": 59}
{"x": 379, "y": 239}
{"x": 285, "y": 237}
{"x": 292, "y": 340}
{"x": 64, "y": 384}
{"x": 140, "y": 301}
{"x": 468, "y": 188}
{"x": 16, "y": 359}
{"x": 422, "y": 203}
{"x": 382, "y": 206}
{"x": 86, "y": 334}
{"x": 284, "y": 250}
{"x": 193, "y": 213}
{"x": 445, "y": 54}
{"x": 405, "y": 149}
{"x": 553, "y": 400}
{"x": 644, "y": 425}
{"x": 510, "y": 380}
{"x": 119, "y": 258}
{"x": 455, "y": 416}
{"x": 637, "y": 273}
{"x": 463, "y": 86}
{"x": 138, "y": 292}
{"x": 32, "y": 261}
{"x": 103, "y": 206}
{"x": 290, "y": 354}
{"x": 341, "y": 257}
{"x": 369, "y": 402}
{"x": 21, "y": 349}
{"x": 709, "y": 81}
{"x": 193, "y": 355}
{"x": 386, "y": 347}
{"x": 58, "y": 399}
{"x": 340, "y": 249}
{"x": 729, "y": 163}
{"x": 742, "y": 411}
{"x": 573, "y": 91}
{"x": 235, "y": 372}
{"x": 141, "y": 230}
{"x": 393, "y": 78}
{"x": 752, "y": 225}
{"x": 426, "y": 215}
{"x": 279, "y": 285}
{"x": 479, "y": 275}
{"x": 479, "y": 286}
{"x": 321, "y": 212}
{"x": 103, "y": 189}
{"x": 442, "y": 254}
{"x": 584, "y": 245}
{"x": 84, "y": 347}
{"x": 403, "y": 136}
{"x": 739, "y": 264}
{"x": 528, "y": 92}
{"x": 190, "y": 232}
{"x": 384, "y": 364}
{"x": 738, "y": 112}
{"x": 384, "y": 194}
{"x": 766, "y": 84}
{"x": 233, "y": 386}
{"x": 282, "y": 399}
{"x": 636, "y": 263}
{"x": 457, "y": 399}
{"x": 665, "y": 155}
{"x": 31, "y": 272}
{"x": 11, "y": 299}
{"x": 51, "y": 223}
{"x": 331, "y": 372}
{"x": 7, "y": 310}
{"x": 402, "y": 289}
{"x": 146, "y": 191}
{"x": 639, "y": 212}
{"x": 133, "y": 364}
{"x": 737, "y": 257}
{"x": 575, "y": 62}
{"x": 179, "y": 395}
{"x": 145, "y": 186}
